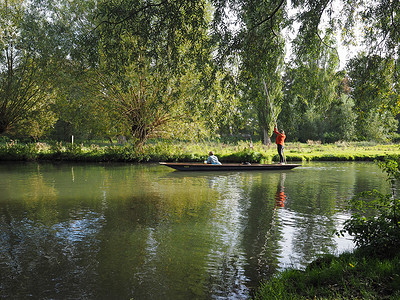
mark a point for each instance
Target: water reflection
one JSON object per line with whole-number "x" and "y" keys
{"x": 143, "y": 232}
{"x": 280, "y": 196}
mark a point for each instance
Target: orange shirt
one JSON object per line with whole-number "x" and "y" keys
{"x": 280, "y": 137}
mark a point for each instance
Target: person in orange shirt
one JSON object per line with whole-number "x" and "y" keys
{"x": 280, "y": 142}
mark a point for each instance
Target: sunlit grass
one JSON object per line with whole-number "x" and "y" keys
{"x": 171, "y": 150}
{"x": 348, "y": 276}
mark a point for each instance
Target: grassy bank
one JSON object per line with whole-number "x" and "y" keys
{"x": 186, "y": 151}
{"x": 348, "y": 276}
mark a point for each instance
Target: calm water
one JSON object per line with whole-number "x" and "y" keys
{"x": 121, "y": 231}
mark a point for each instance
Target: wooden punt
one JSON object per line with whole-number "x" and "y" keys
{"x": 229, "y": 167}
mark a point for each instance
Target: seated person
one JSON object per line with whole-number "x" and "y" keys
{"x": 212, "y": 159}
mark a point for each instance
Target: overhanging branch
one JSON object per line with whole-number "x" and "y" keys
{"x": 270, "y": 17}
{"x": 131, "y": 14}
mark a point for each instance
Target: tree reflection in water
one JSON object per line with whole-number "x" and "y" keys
{"x": 127, "y": 231}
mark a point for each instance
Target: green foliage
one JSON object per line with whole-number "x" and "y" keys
{"x": 340, "y": 120}
{"x": 246, "y": 155}
{"x": 76, "y": 101}
{"x": 145, "y": 101}
{"x": 197, "y": 75}
{"x": 187, "y": 151}
{"x": 40, "y": 42}
{"x": 376, "y": 20}
{"x": 349, "y": 276}
{"x": 15, "y": 151}
{"x": 373, "y": 82}
{"x": 222, "y": 109}
{"x": 22, "y": 72}
{"x": 161, "y": 30}
{"x": 313, "y": 107}
{"x": 379, "y": 22}
{"x": 154, "y": 78}
{"x": 262, "y": 59}
{"x": 375, "y": 222}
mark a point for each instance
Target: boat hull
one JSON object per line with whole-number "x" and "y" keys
{"x": 229, "y": 167}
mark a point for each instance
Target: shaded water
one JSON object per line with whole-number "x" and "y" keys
{"x": 121, "y": 231}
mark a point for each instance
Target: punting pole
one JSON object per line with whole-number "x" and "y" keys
{"x": 273, "y": 115}
{"x": 269, "y": 101}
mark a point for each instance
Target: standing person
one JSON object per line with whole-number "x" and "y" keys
{"x": 280, "y": 142}
{"x": 212, "y": 159}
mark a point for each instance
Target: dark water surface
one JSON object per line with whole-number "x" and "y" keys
{"x": 122, "y": 231}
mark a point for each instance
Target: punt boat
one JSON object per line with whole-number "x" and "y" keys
{"x": 229, "y": 167}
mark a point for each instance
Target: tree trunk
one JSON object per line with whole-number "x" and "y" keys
{"x": 267, "y": 139}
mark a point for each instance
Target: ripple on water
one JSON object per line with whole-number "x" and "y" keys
{"x": 304, "y": 236}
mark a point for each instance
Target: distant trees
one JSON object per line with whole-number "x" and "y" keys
{"x": 374, "y": 83}
{"x": 315, "y": 107}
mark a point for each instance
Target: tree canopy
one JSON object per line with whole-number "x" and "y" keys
{"x": 195, "y": 69}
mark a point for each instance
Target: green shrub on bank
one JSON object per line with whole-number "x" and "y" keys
{"x": 375, "y": 221}
{"x": 349, "y": 276}
{"x": 246, "y": 155}
{"x": 15, "y": 152}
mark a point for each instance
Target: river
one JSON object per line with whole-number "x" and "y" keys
{"x": 126, "y": 231}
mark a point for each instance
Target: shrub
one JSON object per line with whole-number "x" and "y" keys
{"x": 245, "y": 155}
{"x": 292, "y": 157}
{"x": 375, "y": 222}
{"x": 16, "y": 151}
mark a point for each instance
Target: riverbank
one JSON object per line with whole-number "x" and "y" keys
{"x": 348, "y": 276}
{"x": 188, "y": 151}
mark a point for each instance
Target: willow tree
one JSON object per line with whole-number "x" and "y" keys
{"x": 312, "y": 94}
{"x": 21, "y": 72}
{"x": 261, "y": 55}
{"x": 312, "y": 78}
{"x": 67, "y": 42}
{"x": 371, "y": 24}
{"x": 141, "y": 105}
{"x": 147, "y": 46}
{"x": 40, "y": 42}
{"x": 374, "y": 88}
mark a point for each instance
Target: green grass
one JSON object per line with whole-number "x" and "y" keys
{"x": 348, "y": 276}
{"x": 167, "y": 150}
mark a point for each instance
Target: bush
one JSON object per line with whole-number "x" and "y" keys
{"x": 15, "y": 151}
{"x": 246, "y": 155}
{"x": 375, "y": 222}
{"x": 349, "y": 276}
